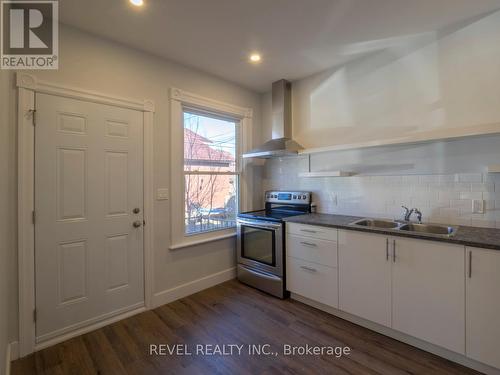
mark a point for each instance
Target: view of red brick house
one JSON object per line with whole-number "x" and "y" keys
{"x": 210, "y": 199}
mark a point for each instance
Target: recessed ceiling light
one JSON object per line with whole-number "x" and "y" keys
{"x": 255, "y": 57}
{"x": 137, "y": 3}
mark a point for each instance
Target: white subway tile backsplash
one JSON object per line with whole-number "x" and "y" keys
{"x": 489, "y": 204}
{"x": 462, "y": 221}
{"x": 463, "y": 204}
{"x": 446, "y": 178}
{"x": 471, "y": 195}
{"x": 429, "y": 178}
{"x": 486, "y": 187}
{"x": 469, "y": 177}
{"x": 449, "y": 212}
{"x": 442, "y": 198}
{"x": 460, "y": 186}
{"x": 483, "y": 223}
{"x": 446, "y": 196}
{"x": 412, "y": 179}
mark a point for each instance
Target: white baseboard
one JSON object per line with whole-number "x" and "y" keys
{"x": 184, "y": 290}
{"x": 14, "y": 350}
{"x": 159, "y": 299}
{"x": 88, "y": 328}
{"x": 11, "y": 354}
{"x": 7, "y": 359}
{"x": 410, "y": 340}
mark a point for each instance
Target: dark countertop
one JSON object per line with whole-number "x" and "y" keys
{"x": 488, "y": 238}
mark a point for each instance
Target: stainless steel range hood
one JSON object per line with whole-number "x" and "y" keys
{"x": 281, "y": 144}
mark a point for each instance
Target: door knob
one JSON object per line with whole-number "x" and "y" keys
{"x": 137, "y": 224}
{"x": 136, "y": 210}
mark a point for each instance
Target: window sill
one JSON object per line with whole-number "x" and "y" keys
{"x": 182, "y": 245}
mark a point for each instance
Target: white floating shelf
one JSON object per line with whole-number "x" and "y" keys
{"x": 494, "y": 168}
{"x": 326, "y": 174}
{"x": 436, "y": 135}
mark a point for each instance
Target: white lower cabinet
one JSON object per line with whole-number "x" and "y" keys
{"x": 483, "y": 305}
{"x": 438, "y": 292}
{"x": 411, "y": 285}
{"x": 312, "y": 280}
{"x": 428, "y": 292}
{"x": 311, "y": 263}
{"x": 365, "y": 276}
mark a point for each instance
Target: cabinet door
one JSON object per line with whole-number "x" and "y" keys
{"x": 313, "y": 250}
{"x": 483, "y": 305}
{"x": 365, "y": 276}
{"x": 429, "y": 292}
{"x": 312, "y": 280}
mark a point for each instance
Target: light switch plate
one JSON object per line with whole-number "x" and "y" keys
{"x": 478, "y": 206}
{"x": 162, "y": 194}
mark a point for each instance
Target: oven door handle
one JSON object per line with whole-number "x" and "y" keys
{"x": 264, "y": 275}
{"x": 259, "y": 224}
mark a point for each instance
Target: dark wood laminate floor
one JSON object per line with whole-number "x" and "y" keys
{"x": 231, "y": 313}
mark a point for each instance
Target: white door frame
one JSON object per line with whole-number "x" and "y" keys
{"x": 28, "y": 85}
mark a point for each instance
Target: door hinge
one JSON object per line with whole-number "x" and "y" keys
{"x": 34, "y": 315}
{"x": 33, "y": 116}
{"x": 33, "y": 216}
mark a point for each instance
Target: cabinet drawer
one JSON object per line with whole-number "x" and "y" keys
{"x": 314, "y": 231}
{"x": 313, "y": 281}
{"x": 312, "y": 249}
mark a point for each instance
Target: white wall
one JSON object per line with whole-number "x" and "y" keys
{"x": 403, "y": 85}
{"x": 449, "y": 80}
{"x": 7, "y": 232}
{"x": 3, "y": 238}
{"x": 95, "y": 64}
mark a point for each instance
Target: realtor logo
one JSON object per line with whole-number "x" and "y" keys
{"x": 30, "y": 34}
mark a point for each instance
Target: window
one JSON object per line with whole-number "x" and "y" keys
{"x": 210, "y": 172}
{"x": 209, "y": 182}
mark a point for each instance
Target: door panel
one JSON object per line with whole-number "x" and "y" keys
{"x": 71, "y": 184}
{"x": 88, "y": 180}
{"x": 73, "y": 270}
{"x": 365, "y": 276}
{"x": 116, "y": 170}
{"x": 429, "y": 292}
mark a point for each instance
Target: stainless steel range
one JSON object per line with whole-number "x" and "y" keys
{"x": 261, "y": 240}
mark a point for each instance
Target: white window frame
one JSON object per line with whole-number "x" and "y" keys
{"x": 181, "y": 101}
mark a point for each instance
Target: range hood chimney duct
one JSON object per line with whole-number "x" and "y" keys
{"x": 281, "y": 143}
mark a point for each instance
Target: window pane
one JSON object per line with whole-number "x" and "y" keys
{"x": 210, "y": 202}
{"x": 209, "y": 144}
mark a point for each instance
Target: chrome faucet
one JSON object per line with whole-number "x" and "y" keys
{"x": 407, "y": 213}
{"x": 419, "y": 215}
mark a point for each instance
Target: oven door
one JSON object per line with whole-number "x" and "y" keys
{"x": 260, "y": 245}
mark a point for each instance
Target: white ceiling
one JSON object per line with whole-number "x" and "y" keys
{"x": 296, "y": 37}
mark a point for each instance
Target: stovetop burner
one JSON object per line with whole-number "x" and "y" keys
{"x": 281, "y": 204}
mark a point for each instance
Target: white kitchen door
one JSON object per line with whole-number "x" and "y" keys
{"x": 88, "y": 213}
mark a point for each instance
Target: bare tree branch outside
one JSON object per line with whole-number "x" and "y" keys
{"x": 211, "y": 180}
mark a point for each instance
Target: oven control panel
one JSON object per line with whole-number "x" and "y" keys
{"x": 294, "y": 197}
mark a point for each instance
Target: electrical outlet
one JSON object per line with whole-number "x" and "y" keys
{"x": 333, "y": 198}
{"x": 478, "y": 206}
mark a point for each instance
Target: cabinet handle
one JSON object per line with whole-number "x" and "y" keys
{"x": 394, "y": 251}
{"x": 470, "y": 264}
{"x": 309, "y": 269}
{"x": 309, "y": 244}
{"x": 308, "y": 231}
{"x": 386, "y": 249}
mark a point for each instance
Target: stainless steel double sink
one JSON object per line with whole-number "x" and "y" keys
{"x": 430, "y": 229}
